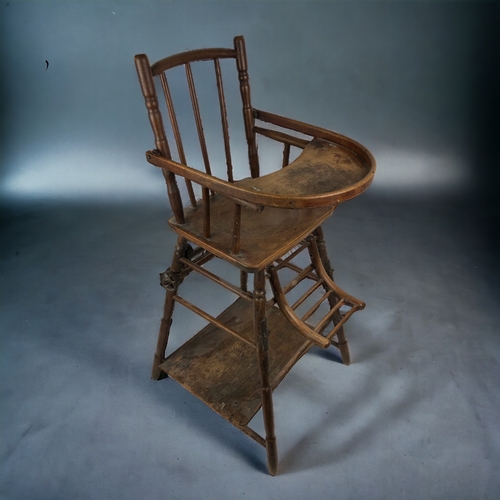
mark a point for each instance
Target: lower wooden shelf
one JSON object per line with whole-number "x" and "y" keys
{"x": 223, "y": 371}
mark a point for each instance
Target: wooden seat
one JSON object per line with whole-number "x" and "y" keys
{"x": 280, "y": 228}
{"x": 262, "y": 225}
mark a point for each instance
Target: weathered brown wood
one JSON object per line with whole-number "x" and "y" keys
{"x": 151, "y": 101}
{"x": 155, "y": 119}
{"x": 286, "y": 139}
{"x": 262, "y": 341}
{"x": 298, "y": 269}
{"x": 264, "y": 237}
{"x": 305, "y": 330}
{"x": 319, "y": 268}
{"x": 223, "y": 115}
{"x": 223, "y": 371}
{"x": 340, "y": 323}
{"x": 247, "y": 204}
{"x": 324, "y": 174}
{"x": 236, "y": 233}
{"x": 328, "y": 317}
{"x": 251, "y": 433}
{"x": 321, "y": 133}
{"x": 205, "y": 200}
{"x": 244, "y": 280}
{"x": 217, "y": 279}
{"x": 260, "y": 225}
{"x": 248, "y": 113}
{"x": 303, "y": 274}
{"x": 315, "y": 307}
{"x": 286, "y": 156}
{"x": 282, "y": 262}
{"x": 212, "y": 320}
{"x": 190, "y": 56}
{"x": 177, "y": 135}
{"x": 342, "y": 341}
{"x": 168, "y": 310}
{"x": 197, "y": 118}
{"x": 306, "y": 295}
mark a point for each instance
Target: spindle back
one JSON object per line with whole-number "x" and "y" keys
{"x": 147, "y": 74}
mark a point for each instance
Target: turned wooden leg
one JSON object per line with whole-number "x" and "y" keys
{"x": 170, "y": 280}
{"x": 332, "y": 300}
{"x": 261, "y": 332}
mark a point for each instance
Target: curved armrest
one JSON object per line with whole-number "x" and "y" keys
{"x": 231, "y": 190}
{"x": 322, "y": 133}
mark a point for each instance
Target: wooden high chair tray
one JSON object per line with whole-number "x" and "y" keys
{"x": 328, "y": 171}
{"x": 259, "y": 225}
{"x": 323, "y": 170}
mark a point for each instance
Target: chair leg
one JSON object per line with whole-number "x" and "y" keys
{"x": 168, "y": 309}
{"x": 343, "y": 346}
{"x": 260, "y": 327}
{"x": 320, "y": 239}
{"x": 244, "y": 280}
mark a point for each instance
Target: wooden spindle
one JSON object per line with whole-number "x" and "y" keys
{"x": 177, "y": 135}
{"x": 235, "y": 243}
{"x": 286, "y": 155}
{"x": 248, "y": 113}
{"x": 244, "y": 280}
{"x": 149, "y": 92}
{"x": 223, "y": 114}
{"x": 205, "y": 200}
{"x": 197, "y": 118}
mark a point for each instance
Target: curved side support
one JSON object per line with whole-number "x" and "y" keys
{"x": 318, "y": 265}
{"x": 314, "y": 131}
{"x": 287, "y": 311}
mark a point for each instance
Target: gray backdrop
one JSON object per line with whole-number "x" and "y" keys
{"x": 415, "y": 81}
{"x": 416, "y": 414}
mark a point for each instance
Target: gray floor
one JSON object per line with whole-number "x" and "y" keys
{"x": 416, "y": 416}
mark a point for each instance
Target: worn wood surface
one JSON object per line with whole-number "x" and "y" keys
{"x": 223, "y": 371}
{"x": 322, "y": 168}
{"x": 325, "y": 174}
{"x": 236, "y": 362}
{"x": 189, "y": 56}
{"x": 264, "y": 236}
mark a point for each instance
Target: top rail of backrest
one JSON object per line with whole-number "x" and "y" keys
{"x": 191, "y": 56}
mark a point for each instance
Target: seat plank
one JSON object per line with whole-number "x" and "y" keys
{"x": 265, "y": 236}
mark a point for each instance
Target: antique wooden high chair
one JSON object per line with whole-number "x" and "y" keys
{"x": 260, "y": 225}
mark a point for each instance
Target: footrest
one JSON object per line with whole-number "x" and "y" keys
{"x": 335, "y": 296}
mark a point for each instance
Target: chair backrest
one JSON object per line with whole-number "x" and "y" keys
{"x": 147, "y": 74}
